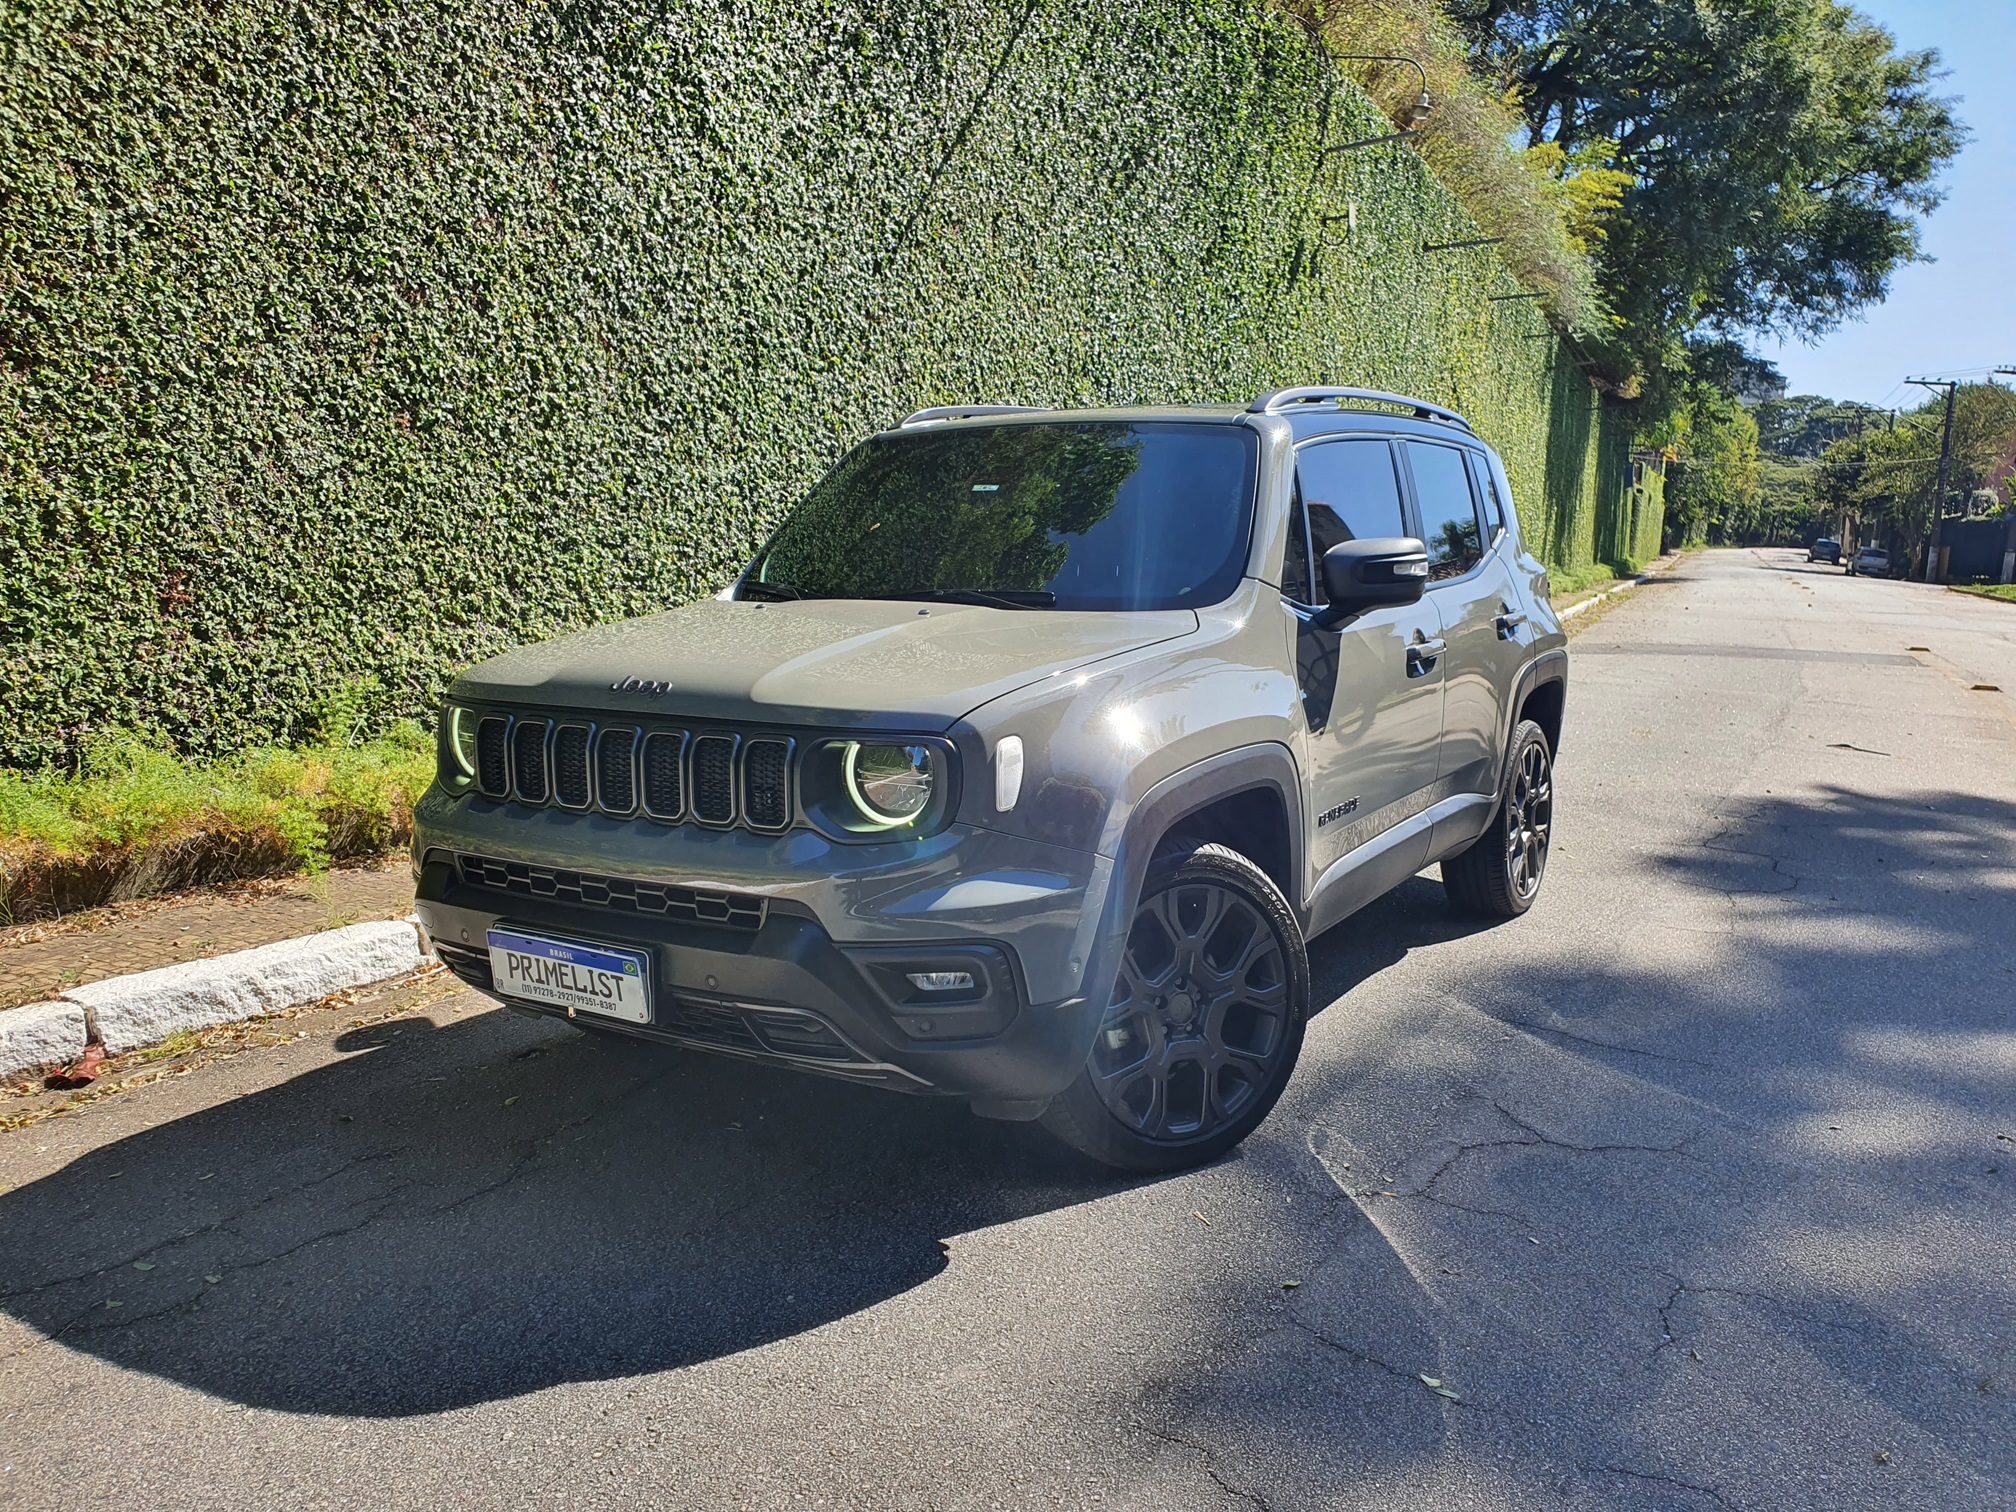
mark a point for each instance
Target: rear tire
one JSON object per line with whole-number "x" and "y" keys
{"x": 1204, "y": 1023}
{"x": 1499, "y": 875}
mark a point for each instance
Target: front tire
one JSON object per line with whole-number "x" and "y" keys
{"x": 1499, "y": 875}
{"x": 1204, "y": 1024}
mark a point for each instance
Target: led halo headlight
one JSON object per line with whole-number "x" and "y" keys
{"x": 462, "y": 739}
{"x": 890, "y": 785}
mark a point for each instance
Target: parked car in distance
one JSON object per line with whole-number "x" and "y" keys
{"x": 1870, "y": 561}
{"x": 1826, "y": 549}
{"x": 1022, "y": 761}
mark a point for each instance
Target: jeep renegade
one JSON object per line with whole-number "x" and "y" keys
{"x": 1022, "y": 761}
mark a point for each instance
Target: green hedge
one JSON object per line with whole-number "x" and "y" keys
{"x": 345, "y": 340}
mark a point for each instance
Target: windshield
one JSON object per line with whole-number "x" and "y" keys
{"x": 1092, "y": 515}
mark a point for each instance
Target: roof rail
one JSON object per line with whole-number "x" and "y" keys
{"x": 966, "y": 412}
{"x": 1282, "y": 400}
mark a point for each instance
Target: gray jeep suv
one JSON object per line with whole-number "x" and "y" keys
{"x": 1022, "y": 761}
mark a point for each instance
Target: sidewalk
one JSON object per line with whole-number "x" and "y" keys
{"x": 38, "y": 961}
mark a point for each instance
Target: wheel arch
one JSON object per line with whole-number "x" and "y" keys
{"x": 1541, "y": 695}
{"x": 1248, "y": 800}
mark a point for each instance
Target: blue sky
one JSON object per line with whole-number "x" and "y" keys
{"x": 1955, "y": 317}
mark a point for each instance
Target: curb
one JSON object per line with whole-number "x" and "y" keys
{"x": 40, "y": 1037}
{"x": 1596, "y": 598}
{"x": 126, "y": 1012}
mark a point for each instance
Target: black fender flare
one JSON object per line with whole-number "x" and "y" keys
{"x": 1159, "y": 813}
{"x": 1547, "y": 667}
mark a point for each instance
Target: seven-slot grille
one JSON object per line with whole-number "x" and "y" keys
{"x": 717, "y": 778}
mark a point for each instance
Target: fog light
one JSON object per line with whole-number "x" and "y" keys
{"x": 942, "y": 981}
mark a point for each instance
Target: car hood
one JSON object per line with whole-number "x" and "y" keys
{"x": 846, "y": 663}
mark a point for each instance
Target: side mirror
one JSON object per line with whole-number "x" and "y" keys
{"x": 1374, "y": 574}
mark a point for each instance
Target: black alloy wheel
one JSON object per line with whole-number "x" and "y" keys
{"x": 1530, "y": 820}
{"x": 1204, "y": 1023}
{"x": 1498, "y": 876}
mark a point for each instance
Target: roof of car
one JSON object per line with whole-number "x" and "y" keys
{"x": 1306, "y": 420}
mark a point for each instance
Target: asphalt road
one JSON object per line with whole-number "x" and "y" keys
{"x": 1693, "y": 1188}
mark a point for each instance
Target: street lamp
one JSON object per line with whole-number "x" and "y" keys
{"x": 1417, "y": 114}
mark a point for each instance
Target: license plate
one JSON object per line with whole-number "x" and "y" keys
{"x": 598, "y": 979}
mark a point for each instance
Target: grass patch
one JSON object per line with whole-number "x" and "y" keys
{"x": 136, "y": 819}
{"x": 1573, "y": 582}
{"x": 2003, "y": 591}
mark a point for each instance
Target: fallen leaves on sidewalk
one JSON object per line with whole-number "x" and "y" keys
{"x": 80, "y": 1073}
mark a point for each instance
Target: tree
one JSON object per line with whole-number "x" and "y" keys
{"x": 1716, "y": 493}
{"x": 1780, "y": 152}
{"x": 1805, "y": 425}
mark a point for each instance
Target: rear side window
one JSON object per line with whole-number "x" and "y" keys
{"x": 1448, "y": 511}
{"x": 1350, "y": 493}
{"x": 1487, "y": 491}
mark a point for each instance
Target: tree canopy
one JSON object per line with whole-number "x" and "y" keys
{"x": 1779, "y": 153}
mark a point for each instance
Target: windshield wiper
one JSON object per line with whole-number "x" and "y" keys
{"x": 773, "y": 590}
{"x": 993, "y": 598}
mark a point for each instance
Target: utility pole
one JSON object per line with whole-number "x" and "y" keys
{"x": 1952, "y": 388}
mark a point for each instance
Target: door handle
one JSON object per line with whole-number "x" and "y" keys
{"x": 1422, "y": 656}
{"x": 1509, "y": 623}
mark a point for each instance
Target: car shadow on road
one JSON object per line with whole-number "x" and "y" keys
{"x": 463, "y": 1213}
{"x": 459, "y": 1214}
{"x": 1379, "y": 936}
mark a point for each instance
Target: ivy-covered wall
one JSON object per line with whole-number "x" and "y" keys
{"x": 346, "y": 338}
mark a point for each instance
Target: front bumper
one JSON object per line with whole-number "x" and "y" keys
{"x": 794, "y": 949}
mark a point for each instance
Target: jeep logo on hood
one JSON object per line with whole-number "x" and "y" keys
{"x": 646, "y": 686}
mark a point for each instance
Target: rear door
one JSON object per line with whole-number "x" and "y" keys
{"x": 1471, "y": 584}
{"x": 1372, "y": 700}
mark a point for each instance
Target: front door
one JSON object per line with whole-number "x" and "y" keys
{"x": 1372, "y": 691}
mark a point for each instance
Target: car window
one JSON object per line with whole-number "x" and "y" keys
{"x": 1101, "y": 515}
{"x": 1448, "y": 511}
{"x": 1351, "y": 493}
{"x": 1494, "y": 507}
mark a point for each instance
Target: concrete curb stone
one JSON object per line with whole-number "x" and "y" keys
{"x": 39, "y": 1037}
{"x": 127, "y": 1012}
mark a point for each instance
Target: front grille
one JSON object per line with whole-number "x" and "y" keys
{"x": 766, "y": 783}
{"x": 714, "y": 779}
{"x": 664, "y": 785}
{"x": 493, "y": 765}
{"x": 616, "y": 770}
{"x": 692, "y": 905}
{"x": 570, "y": 766}
{"x": 528, "y": 759}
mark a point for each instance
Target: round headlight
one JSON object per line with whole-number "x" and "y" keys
{"x": 890, "y": 784}
{"x": 462, "y": 738}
